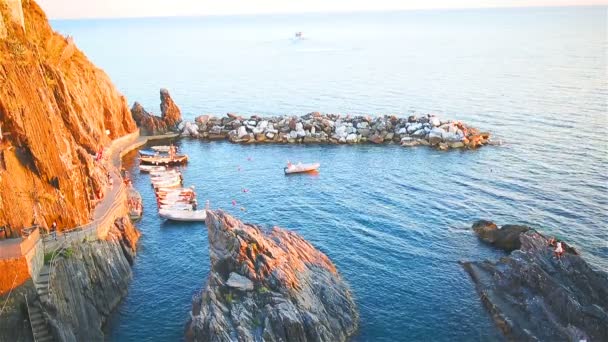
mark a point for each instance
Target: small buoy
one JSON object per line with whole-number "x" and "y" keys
{"x": 243, "y": 209}
{"x": 245, "y": 190}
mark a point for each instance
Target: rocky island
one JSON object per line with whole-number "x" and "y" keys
{"x": 268, "y": 285}
{"x": 534, "y": 296}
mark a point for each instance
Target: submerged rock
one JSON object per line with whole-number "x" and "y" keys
{"x": 271, "y": 286}
{"x": 534, "y": 296}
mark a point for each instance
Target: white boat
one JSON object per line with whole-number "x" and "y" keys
{"x": 168, "y": 183}
{"x": 161, "y": 148}
{"x": 300, "y": 168}
{"x": 183, "y": 215}
{"x": 164, "y": 172}
{"x": 177, "y": 206}
{"x": 165, "y": 178}
{"x": 170, "y": 201}
{"x": 175, "y": 195}
{"x": 164, "y": 160}
{"x": 184, "y": 190}
{"x": 151, "y": 168}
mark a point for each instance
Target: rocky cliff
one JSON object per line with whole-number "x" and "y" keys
{"x": 151, "y": 124}
{"x": 268, "y": 285}
{"x": 88, "y": 283}
{"x": 56, "y": 111}
{"x": 535, "y": 296}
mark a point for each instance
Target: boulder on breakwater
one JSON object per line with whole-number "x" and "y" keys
{"x": 268, "y": 285}
{"x": 318, "y": 128}
{"x": 534, "y": 296}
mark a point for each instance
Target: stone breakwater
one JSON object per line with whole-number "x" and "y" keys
{"x": 318, "y": 128}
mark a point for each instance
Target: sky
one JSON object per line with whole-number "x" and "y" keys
{"x": 73, "y": 9}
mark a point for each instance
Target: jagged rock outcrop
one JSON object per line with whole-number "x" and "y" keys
{"x": 151, "y": 124}
{"x": 271, "y": 286}
{"x": 88, "y": 283}
{"x": 56, "y": 110}
{"x": 169, "y": 110}
{"x": 534, "y": 296}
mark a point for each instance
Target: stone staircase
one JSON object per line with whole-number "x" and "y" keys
{"x": 40, "y": 327}
{"x": 42, "y": 283}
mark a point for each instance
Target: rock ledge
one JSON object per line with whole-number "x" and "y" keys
{"x": 533, "y": 296}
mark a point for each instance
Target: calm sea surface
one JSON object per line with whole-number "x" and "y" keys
{"x": 394, "y": 220}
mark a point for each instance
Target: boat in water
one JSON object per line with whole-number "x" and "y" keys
{"x": 151, "y": 168}
{"x": 301, "y": 168}
{"x": 148, "y": 153}
{"x": 178, "y": 159}
{"x": 183, "y": 215}
{"x": 177, "y": 206}
{"x": 162, "y": 148}
{"x": 135, "y": 205}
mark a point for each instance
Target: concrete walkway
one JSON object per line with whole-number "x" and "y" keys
{"x": 110, "y": 201}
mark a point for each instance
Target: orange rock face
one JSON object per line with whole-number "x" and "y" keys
{"x": 258, "y": 255}
{"x": 56, "y": 110}
{"x": 14, "y": 273}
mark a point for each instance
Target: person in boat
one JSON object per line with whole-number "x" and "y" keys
{"x": 559, "y": 249}
{"x": 289, "y": 164}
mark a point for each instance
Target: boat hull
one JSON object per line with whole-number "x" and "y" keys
{"x": 164, "y": 161}
{"x": 183, "y": 215}
{"x": 302, "y": 168}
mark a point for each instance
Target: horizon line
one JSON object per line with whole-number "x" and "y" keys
{"x": 326, "y": 12}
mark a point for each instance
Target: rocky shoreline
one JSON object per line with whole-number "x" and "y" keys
{"x": 268, "y": 286}
{"x": 534, "y": 296}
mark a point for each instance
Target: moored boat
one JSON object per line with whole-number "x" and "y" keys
{"x": 134, "y": 203}
{"x": 168, "y": 183}
{"x": 162, "y": 148}
{"x": 177, "y": 206}
{"x": 300, "y": 168}
{"x": 183, "y": 215}
{"x": 164, "y": 160}
{"x": 151, "y": 168}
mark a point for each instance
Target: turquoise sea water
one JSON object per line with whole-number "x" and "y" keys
{"x": 395, "y": 221}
